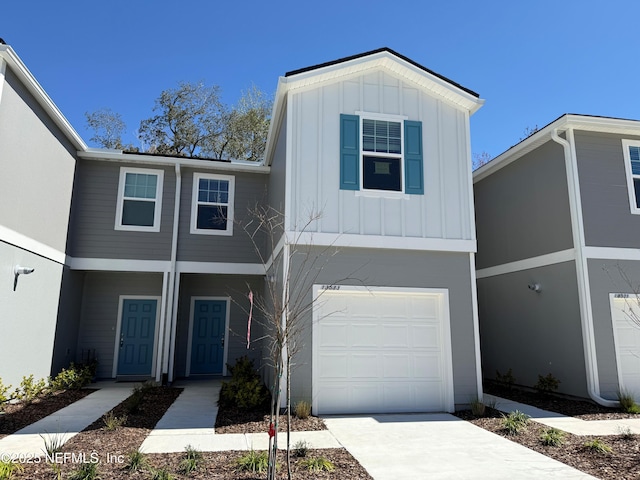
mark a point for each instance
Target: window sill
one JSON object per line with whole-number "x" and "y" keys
{"x": 135, "y": 228}
{"x": 382, "y": 194}
{"x": 224, "y": 233}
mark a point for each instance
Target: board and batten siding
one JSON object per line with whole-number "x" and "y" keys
{"x": 99, "y": 313}
{"x": 93, "y": 233}
{"x": 37, "y": 164}
{"x": 250, "y": 190}
{"x": 607, "y": 218}
{"x": 522, "y": 210}
{"x": 444, "y": 211}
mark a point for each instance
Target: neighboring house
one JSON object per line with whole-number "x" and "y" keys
{"x": 558, "y": 260}
{"x": 157, "y": 269}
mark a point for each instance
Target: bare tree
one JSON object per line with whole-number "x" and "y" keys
{"x": 479, "y": 159}
{"x": 107, "y": 126}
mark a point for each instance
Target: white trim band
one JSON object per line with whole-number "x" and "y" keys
{"x": 528, "y": 263}
{"x": 221, "y": 268}
{"x": 118, "y": 265}
{"x": 29, "y": 244}
{"x": 612, "y": 253}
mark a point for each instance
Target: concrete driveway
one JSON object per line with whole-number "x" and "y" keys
{"x": 439, "y": 446}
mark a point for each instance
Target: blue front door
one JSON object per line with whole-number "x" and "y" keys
{"x": 137, "y": 337}
{"x": 207, "y": 338}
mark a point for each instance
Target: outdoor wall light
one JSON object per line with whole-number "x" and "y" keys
{"x": 534, "y": 287}
{"x": 20, "y": 270}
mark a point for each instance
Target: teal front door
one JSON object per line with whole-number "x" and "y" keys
{"x": 137, "y": 337}
{"x": 207, "y": 336}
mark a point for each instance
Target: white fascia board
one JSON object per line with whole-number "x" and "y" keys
{"x": 384, "y": 242}
{"x": 118, "y": 264}
{"x": 387, "y": 61}
{"x": 111, "y": 155}
{"x": 221, "y": 268}
{"x": 30, "y": 245}
{"x": 566, "y": 122}
{"x": 277, "y": 114}
{"x": 528, "y": 263}
{"x": 26, "y": 77}
{"x": 612, "y": 253}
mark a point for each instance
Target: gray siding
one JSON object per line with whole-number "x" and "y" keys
{"x": 605, "y": 277}
{"x": 94, "y": 212}
{"x": 37, "y": 163}
{"x": 237, "y": 288}
{"x": 522, "y": 210}
{"x": 66, "y": 339}
{"x": 608, "y": 221}
{"x": 250, "y": 189}
{"x": 394, "y": 269}
{"x": 533, "y": 333}
{"x": 27, "y": 314}
{"x": 99, "y": 314}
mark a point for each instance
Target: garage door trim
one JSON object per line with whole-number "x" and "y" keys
{"x": 442, "y": 296}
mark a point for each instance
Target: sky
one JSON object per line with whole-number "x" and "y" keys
{"x": 531, "y": 61}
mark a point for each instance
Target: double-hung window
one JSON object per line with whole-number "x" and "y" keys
{"x": 381, "y": 153}
{"x": 631, "y": 149}
{"x": 212, "y": 204}
{"x": 139, "y": 199}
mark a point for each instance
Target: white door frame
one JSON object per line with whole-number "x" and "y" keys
{"x": 443, "y": 294}
{"x": 156, "y": 331}
{"x": 225, "y": 351}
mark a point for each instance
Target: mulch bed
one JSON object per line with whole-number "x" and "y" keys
{"x": 16, "y": 416}
{"x": 622, "y": 463}
{"x": 235, "y": 420}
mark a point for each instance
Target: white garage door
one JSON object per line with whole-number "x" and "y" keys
{"x": 381, "y": 350}
{"x": 626, "y": 333}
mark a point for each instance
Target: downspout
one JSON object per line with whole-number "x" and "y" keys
{"x": 586, "y": 317}
{"x": 169, "y": 332}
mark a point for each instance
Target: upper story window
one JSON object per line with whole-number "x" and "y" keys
{"x": 139, "y": 199}
{"x": 381, "y": 153}
{"x": 212, "y": 204}
{"x": 631, "y": 150}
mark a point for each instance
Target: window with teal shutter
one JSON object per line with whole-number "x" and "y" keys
{"x": 413, "y": 165}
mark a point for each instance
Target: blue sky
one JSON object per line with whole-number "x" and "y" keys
{"x": 530, "y": 61}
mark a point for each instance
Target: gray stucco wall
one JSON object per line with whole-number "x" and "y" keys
{"x": 250, "y": 190}
{"x": 93, "y": 233}
{"x": 522, "y": 210}
{"x": 27, "y": 315}
{"x": 533, "y": 333}
{"x": 237, "y": 288}
{"x": 37, "y": 164}
{"x": 607, "y": 218}
{"x": 99, "y": 314}
{"x": 386, "y": 268}
{"x": 605, "y": 277}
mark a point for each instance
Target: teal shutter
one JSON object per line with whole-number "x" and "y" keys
{"x": 349, "y": 152}
{"x": 413, "y": 164}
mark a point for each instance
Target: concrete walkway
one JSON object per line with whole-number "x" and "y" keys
{"x": 67, "y": 422}
{"x": 575, "y": 426}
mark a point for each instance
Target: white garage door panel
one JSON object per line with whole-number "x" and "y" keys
{"x": 377, "y": 351}
{"x": 627, "y": 341}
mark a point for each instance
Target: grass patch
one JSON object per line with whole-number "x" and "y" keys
{"x": 515, "y": 422}
{"x": 8, "y": 468}
{"x": 86, "y": 471}
{"x": 254, "y": 462}
{"x": 192, "y": 460}
{"x": 318, "y": 464}
{"x": 598, "y": 446}
{"x": 302, "y": 410}
{"x": 112, "y": 422}
{"x": 136, "y": 461}
{"x": 552, "y": 437}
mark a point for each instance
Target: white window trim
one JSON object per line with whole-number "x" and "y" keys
{"x": 387, "y": 118}
{"x": 158, "y": 200}
{"x": 627, "y": 168}
{"x": 194, "y": 204}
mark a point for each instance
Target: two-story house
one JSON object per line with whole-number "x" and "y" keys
{"x": 375, "y": 149}
{"x": 558, "y": 261}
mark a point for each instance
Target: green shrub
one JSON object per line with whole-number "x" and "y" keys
{"x": 301, "y": 448}
{"x": 4, "y": 390}
{"x": 547, "y": 384}
{"x": 161, "y": 474}
{"x": 302, "y": 409}
{"x": 477, "y": 407}
{"x": 253, "y": 462}
{"x": 318, "y": 464}
{"x": 627, "y": 402}
{"x": 73, "y": 378}
{"x": 191, "y": 461}
{"x": 52, "y": 443}
{"x": 598, "y": 446}
{"x": 626, "y": 433}
{"x": 7, "y": 469}
{"x": 29, "y": 389}
{"x": 86, "y": 471}
{"x": 133, "y": 402}
{"x": 515, "y": 422}
{"x": 552, "y": 437}
{"x": 245, "y": 390}
{"x": 506, "y": 380}
{"x": 111, "y": 422}
{"x": 136, "y": 461}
